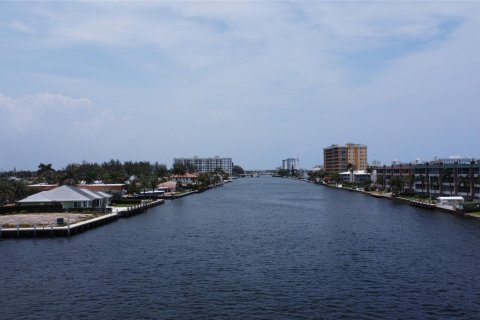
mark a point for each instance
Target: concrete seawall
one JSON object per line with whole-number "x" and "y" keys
{"x": 73, "y": 229}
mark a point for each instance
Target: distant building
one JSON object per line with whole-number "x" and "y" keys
{"x": 204, "y": 165}
{"x": 376, "y": 163}
{"x": 337, "y": 157}
{"x": 290, "y": 163}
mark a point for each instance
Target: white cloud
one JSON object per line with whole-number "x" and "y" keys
{"x": 255, "y": 69}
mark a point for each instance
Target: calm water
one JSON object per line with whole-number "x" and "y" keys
{"x": 258, "y": 248}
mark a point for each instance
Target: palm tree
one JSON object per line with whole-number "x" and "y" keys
{"x": 421, "y": 179}
{"x": 434, "y": 182}
{"x": 179, "y": 169}
{"x": 45, "y": 171}
{"x": 351, "y": 167}
{"x": 153, "y": 182}
{"x": 447, "y": 177}
{"x": 463, "y": 181}
{"x": 380, "y": 181}
{"x": 7, "y": 191}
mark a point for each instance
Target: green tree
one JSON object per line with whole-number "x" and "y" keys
{"x": 336, "y": 177}
{"x": 45, "y": 171}
{"x": 179, "y": 169}
{"x": 237, "y": 170}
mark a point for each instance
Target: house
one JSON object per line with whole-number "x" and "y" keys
{"x": 70, "y": 198}
{"x": 187, "y": 178}
{"x": 169, "y": 186}
{"x": 113, "y": 187}
{"x": 43, "y": 186}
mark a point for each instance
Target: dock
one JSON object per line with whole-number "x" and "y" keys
{"x": 76, "y": 228}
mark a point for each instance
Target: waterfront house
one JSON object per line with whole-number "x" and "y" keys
{"x": 70, "y": 198}
{"x": 188, "y": 178}
{"x": 169, "y": 186}
{"x": 112, "y": 187}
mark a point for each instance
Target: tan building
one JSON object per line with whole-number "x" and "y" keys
{"x": 337, "y": 157}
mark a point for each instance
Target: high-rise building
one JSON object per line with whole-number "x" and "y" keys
{"x": 207, "y": 164}
{"x": 290, "y": 163}
{"x": 337, "y": 157}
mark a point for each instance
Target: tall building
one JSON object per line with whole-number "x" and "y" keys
{"x": 290, "y": 163}
{"x": 207, "y": 164}
{"x": 337, "y": 157}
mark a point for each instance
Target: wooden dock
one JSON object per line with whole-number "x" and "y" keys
{"x": 75, "y": 228}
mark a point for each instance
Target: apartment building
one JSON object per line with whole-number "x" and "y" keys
{"x": 207, "y": 164}
{"x": 449, "y": 177}
{"x": 290, "y": 163}
{"x": 337, "y": 157}
{"x": 436, "y": 178}
{"x": 401, "y": 176}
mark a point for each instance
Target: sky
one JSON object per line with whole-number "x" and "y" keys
{"x": 257, "y": 81}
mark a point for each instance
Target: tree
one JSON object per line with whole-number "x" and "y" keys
{"x": 351, "y": 167}
{"x": 204, "y": 179}
{"x": 337, "y": 177}
{"x": 153, "y": 183}
{"x": 45, "y": 171}
{"x": 396, "y": 184}
{"x": 421, "y": 179}
{"x": 179, "y": 169}
{"x": 237, "y": 170}
{"x": 447, "y": 177}
{"x": 160, "y": 170}
{"x": 464, "y": 181}
{"x": 380, "y": 181}
{"x": 191, "y": 168}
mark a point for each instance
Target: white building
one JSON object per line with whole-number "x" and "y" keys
{"x": 358, "y": 176}
{"x": 290, "y": 163}
{"x": 70, "y": 198}
{"x": 207, "y": 164}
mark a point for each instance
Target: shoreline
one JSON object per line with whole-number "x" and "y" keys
{"x": 50, "y": 230}
{"x": 418, "y": 204}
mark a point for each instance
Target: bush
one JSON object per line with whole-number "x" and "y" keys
{"x": 471, "y": 207}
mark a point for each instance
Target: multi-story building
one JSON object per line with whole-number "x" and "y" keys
{"x": 290, "y": 163}
{"x": 337, "y": 157}
{"x": 399, "y": 176}
{"x": 448, "y": 177}
{"x": 207, "y": 164}
{"x": 439, "y": 177}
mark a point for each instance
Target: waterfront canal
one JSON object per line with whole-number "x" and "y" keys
{"x": 257, "y": 248}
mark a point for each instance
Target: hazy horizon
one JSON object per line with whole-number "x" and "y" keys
{"x": 254, "y": 81}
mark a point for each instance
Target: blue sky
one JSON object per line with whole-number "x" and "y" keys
{"x": 255, "y": 81}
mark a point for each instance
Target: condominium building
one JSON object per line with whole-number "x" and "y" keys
{"x": 399, "y": 175}
{"x": 207, "y": 164}
{"x": 449, "y": 177}
{"x": 290, "y": 163}
{"x": 337, "y": 157}
{"x": 439, "y": 177}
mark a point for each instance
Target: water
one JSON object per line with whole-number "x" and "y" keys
{"x": 258, "y": 248}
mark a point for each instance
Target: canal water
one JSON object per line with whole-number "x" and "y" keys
{"x": 257, "y": 248}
